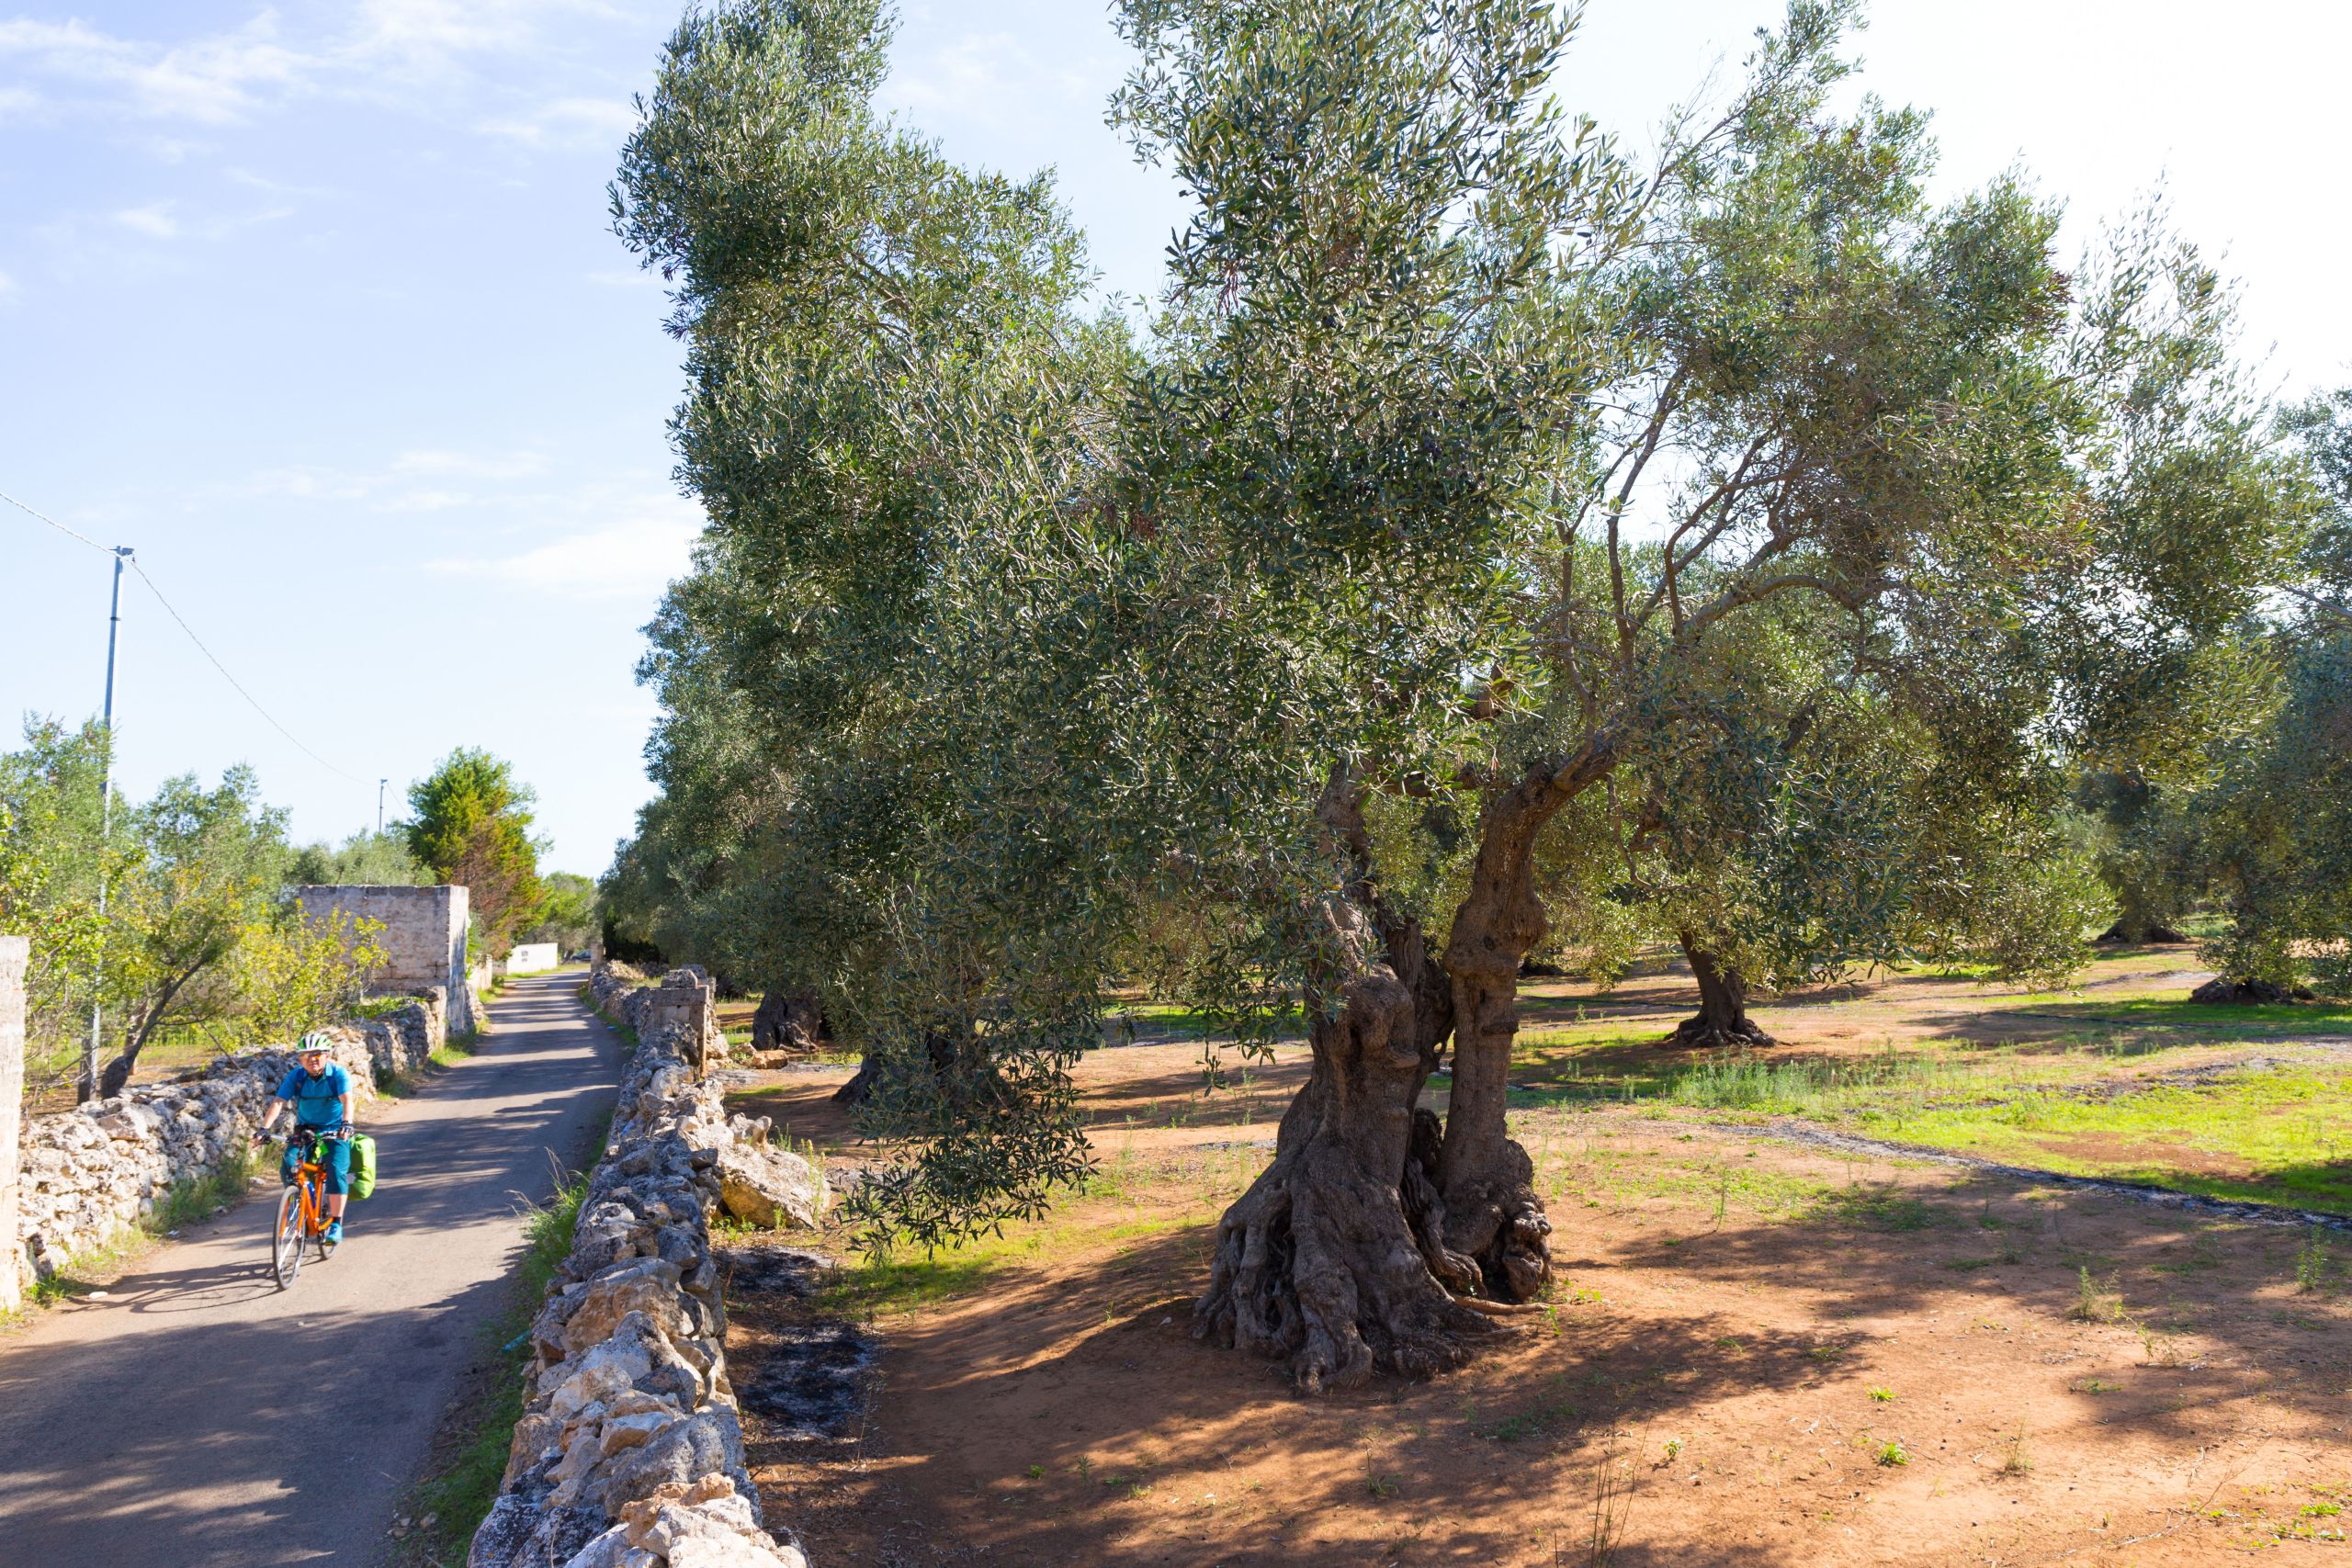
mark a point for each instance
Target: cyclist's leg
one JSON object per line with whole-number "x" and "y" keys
{"x": 335, "y": 1157}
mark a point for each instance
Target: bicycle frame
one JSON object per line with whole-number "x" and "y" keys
{"x": 301, "y": 1216}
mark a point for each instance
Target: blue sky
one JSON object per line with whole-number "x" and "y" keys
{"x": 314, "y": 304}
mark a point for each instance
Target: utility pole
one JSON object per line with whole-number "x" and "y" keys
{"x": 379, "y": 806}
{"x": 88, "y": 1087}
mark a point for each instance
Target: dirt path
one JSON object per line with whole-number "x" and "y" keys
{"x": 197, "y": 1416}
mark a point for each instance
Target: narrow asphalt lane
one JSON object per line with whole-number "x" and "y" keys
{"x": 198, "y": 1415}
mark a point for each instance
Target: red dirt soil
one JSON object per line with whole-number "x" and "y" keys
{"x": 1057, "y": 1412}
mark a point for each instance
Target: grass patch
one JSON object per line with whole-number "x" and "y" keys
{"x": 2255, "y": 1022}
{"x": 1884, "y": 1209}
{"x": 883, "y": 1284}
{"x": 588, "y": 1000}
{"x": 2271, "y": 1137}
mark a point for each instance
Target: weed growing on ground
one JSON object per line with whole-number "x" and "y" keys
{"x": 2015, "y": 1460}
{"x": 1613, "y": 1486}
{"x": 1884, "y": 1395}
{"x": 2310, "y": 1264}
{"x": 1891, "y": 1453}
{"x": 2162, "y": 1349}
{"x": 2092, "y": 1302}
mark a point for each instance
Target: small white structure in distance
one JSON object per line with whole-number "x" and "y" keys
{"x": 533, "y": 958}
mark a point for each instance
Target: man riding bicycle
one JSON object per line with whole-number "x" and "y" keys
{"x": 320, "y": 1092}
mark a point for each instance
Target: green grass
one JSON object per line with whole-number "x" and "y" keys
{"x": 1174, "y": 1018}
{"x": 588, "y": 1000}
{"x": 2284, "y": 1129}
{"x": 883, "y": 1284}
{"x": 2255, "y": 1022}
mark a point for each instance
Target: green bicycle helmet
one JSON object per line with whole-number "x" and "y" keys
{"x": 317, "y": 1040}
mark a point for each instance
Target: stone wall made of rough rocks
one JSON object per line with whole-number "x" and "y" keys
{"x": 684, "y": 996}
{"x": 629, "y": 1453}
{"x": 14, "y": 955}
{"x": 86, "y": 1173}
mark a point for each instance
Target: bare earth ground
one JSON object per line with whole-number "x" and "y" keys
{"x": 1769, "y": 1354}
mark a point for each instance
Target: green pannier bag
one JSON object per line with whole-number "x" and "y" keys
{"x": 363, "y": 1164}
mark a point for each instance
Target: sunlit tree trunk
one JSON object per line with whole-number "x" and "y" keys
{"x": 1722, "y": 1019}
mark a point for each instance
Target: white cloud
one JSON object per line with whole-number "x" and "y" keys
{"x": 154, "y": 220}
{"x": 469, "y": 465}
{"x": 17, "y": 100}
{"x": 7, "y": 286}
{"x": 420, "y": 480}
{"x": 212, "y": 79}
{"x": 622, "y": 560}
{"x": 569, "y": 122}
{"x": 223, "y": 77}
{"x": 415, "y": 28}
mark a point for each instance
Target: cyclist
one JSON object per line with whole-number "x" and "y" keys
{"x": 320, "y": 1092}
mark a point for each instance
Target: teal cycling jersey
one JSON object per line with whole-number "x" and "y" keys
{"x": 317, "y": 1101}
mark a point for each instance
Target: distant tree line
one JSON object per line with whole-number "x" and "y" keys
{"x": 174, "y": 916}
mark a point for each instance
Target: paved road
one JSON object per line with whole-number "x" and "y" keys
{"x": 200, "y": 1417}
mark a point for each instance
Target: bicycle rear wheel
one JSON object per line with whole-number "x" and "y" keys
{"x": 286, "y": 1239}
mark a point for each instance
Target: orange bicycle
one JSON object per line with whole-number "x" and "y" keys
{"x": 302, "y": 1212}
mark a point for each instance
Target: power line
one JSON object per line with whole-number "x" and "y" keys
{"x": 249, "y": 697}
{"x": 71, "y": 533}
{"x": 125, "y": 556}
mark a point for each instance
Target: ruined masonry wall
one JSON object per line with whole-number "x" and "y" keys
{"x": 629, "y": 1453}
{"x": 423, "y": 938}
{"x": 84, "y": 1174}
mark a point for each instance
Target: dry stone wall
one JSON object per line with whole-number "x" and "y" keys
{"x": 86, "y": 1173}
{"x": 13, "y": 958}
{"x": 629, "y": 1453}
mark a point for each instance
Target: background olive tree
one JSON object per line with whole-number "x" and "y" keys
{"x": 196, "y": 935}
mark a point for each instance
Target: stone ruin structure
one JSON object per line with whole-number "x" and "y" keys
{"x": 423, "y": 939}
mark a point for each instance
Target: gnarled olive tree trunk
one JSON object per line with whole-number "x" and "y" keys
{"x": 1722, "y": 1019}
{"x": 1334, "y": 1260}
{"x": 1494, "y": 1214}
{"x": 1377, "y": 1241}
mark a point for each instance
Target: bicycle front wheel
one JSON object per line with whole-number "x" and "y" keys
{"x": 285, "y": 1239}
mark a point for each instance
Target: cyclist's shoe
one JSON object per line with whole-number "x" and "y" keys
{"x": 334, "y": 1232}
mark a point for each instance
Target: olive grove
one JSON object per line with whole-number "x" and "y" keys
{"x": 1492, "y": 529}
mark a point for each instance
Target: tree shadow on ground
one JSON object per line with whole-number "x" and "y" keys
{"x": 1068, "y": 1424}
